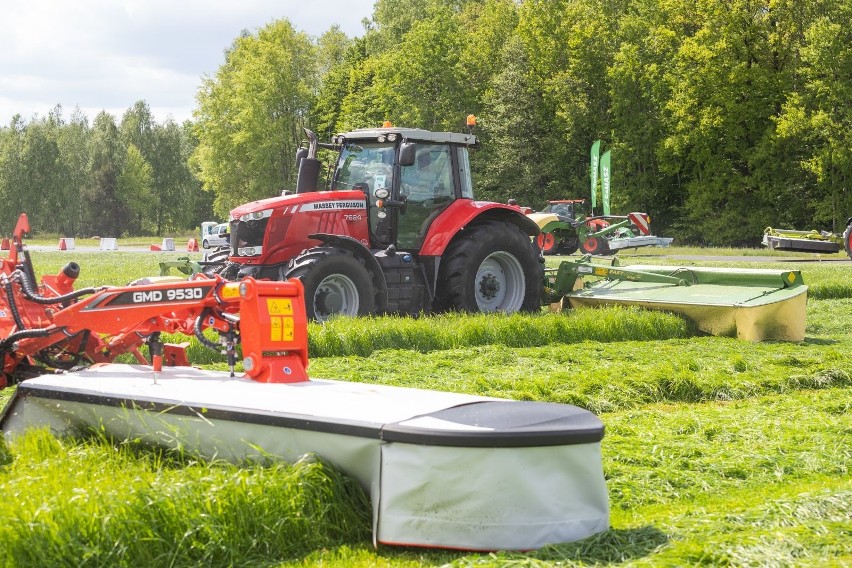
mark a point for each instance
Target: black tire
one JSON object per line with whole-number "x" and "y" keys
{"x": 219, "y": 254}
{"x": 568, "y": 246}
{"x": 217, "y": 262}
{"x": 205, "y": 244}
{"x": 335, "y": 281}
{"x": 847, "y": 240}
{"x": 596, "y": 246}
{"x": 490, "y": 267}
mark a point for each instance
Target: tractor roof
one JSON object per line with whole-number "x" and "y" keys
{"x": 412, "y": 135}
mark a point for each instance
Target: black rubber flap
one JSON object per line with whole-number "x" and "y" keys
{"x": 508, "y": 424}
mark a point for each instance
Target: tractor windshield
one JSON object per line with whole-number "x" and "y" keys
{"x": 366, "y": 165}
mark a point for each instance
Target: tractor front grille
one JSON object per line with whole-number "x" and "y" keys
{"x": 246, "y": 234}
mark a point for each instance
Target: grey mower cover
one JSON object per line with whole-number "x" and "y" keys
{"x": 443, "y": 470}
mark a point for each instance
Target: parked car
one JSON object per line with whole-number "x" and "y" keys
{"x": 218, "y": 237}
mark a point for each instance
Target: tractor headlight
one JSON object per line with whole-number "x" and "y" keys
{"x": 256, "y": 215}
{"x": 250, "y": 251}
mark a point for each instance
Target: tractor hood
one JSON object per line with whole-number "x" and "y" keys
{"x": 270, "y": 231}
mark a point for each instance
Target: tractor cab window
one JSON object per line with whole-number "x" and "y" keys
{"x": 562, "y": 210}
{"x": 464, "y": 172}
{"x": 366, "y": 166}
{"x": 427, "y": 186}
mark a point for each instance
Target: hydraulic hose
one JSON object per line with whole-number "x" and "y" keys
{"x": 13, "y": 306}
{"x": 26, "y": 334}
{"x": 33, "y": 296}
{"x": 199, "y": 333}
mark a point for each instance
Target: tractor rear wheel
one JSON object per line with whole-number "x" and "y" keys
{"x": 491, "y": 267}
{"x": 847, "y": 240}
{"x": 335, "y": 281}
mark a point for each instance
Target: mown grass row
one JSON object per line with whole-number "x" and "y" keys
{"x": 607, "y": 377}
{"x": 753, "y": 483}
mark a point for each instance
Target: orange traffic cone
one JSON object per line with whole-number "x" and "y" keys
{"x": 192, "y": 245}
{"x": 5, "y": 244}
{"x": 62, "y": 245}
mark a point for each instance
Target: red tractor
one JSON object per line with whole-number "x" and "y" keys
{"x": 398, "y": 231}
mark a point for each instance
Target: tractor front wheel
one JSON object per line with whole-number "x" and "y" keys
{"x": 547, "y": 242}
{"x": 336, "y": 283}
{"x": 491, "y": 267}
{"x": 596, "y": 246}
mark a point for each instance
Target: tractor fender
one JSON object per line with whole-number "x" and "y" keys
{"x": 465, "y": 212}
{"x": 360, "y": 251}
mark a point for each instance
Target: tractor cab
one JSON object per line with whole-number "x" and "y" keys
{"x": 409, "y": 177}
{"x": 567, "y": 209}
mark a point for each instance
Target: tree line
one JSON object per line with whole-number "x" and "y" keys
{"x": 723, "y": 117}
{"x": 106, "y": 178}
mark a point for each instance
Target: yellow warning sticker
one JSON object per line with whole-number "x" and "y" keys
{"x": 230, "y": 291}
{"x": 279, "y": 306}
{"x": 281, "y": 329}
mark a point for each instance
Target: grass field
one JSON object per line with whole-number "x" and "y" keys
{"x": 717, "y": 452}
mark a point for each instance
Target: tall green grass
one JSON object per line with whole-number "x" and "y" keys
{"x": 364, "y": 336}
{"x": 94, "y": 504}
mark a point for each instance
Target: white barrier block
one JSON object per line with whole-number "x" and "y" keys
{"x": 168, "y": 244}
{"x": 109, "y": 243}
{"x": 69, "y": 243}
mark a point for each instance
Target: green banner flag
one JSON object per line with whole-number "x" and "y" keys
{"x": 605, "y": 179}
{"x": 595, "y": 155}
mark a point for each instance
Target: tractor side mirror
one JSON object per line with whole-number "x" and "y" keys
{"x": 406, "y": 154}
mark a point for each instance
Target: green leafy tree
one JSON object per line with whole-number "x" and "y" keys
{"x": 107, "y": 214}
{"x": 134, "y": 188}
{"x": 728, "y": 80}
{"x": 137, "y": 130}
{"x": 73, "y": 142}
{"x": 192, "y": 204}
{"x": 12, "y": 169}
{"x": 817, "y": 117}
{"x": 518, "y": 159}
{"x": 250, "y": 115}
{"x": 570, "y": 45}
{"x": 420, "y": 83}
{"x": 648, "y": 40}
{"x": 36, "y": 187}
{"x": 180, "y": 201}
